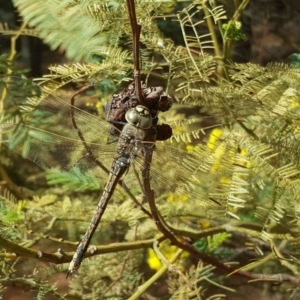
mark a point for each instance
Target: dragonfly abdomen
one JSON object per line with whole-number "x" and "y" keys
{"x": 119, "y": 167}
{"x": 130, "y": 139}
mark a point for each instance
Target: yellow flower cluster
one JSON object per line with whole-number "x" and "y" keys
{"x": 168, "y": 251}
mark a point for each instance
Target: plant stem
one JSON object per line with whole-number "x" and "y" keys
{"x": 227, "y": 43}
{"x": 11, "y": 57}
{"x": 142, "y": 288}
{"x": 211, "y": 30}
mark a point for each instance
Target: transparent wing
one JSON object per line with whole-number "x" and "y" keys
{"x": 47, "y": 136}
{"x": 183, "y": 181}
{"x": 181, "y": 184}
{"x": 193, "y": 184}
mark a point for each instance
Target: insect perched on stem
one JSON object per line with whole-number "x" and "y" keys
{"x": 60, "y": 135}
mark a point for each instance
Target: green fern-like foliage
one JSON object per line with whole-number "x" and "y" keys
{"x": 262, "y": 105}
{"x": 62, "y": 25}
{"x": 72, "y": 178}
{"x": 198, "y": 275}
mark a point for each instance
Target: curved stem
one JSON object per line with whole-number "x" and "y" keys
{"x": 142, "y": 288}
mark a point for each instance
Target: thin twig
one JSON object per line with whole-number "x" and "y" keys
{"x": 58, "y": 258}
{"x": 119, "y": 276}
{"x": 44, "y": 235}
{"x": 142, "y": 288}
{"x": 122, "y": 268}
{"x": 170, "y": 266}
{"x": 11, "y": 57}
{"x": 227, "y": 43}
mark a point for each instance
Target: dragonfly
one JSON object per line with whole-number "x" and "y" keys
{"x": 58, "y": 135}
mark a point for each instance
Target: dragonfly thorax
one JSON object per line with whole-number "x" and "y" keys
{"x": 130, "y": 143}
{"x": 131, "y": 134}
{"x": 139, "y": 116}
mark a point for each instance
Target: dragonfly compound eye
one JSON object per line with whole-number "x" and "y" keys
{"x": 139, "y": 116}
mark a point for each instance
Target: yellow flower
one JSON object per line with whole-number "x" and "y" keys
{"x": 176, "y": 198}
{"x": 213, "y": 138}
{"x": 168, "y": 251}
{"x": 205, "y": 224}
{"x": 178, "y": 130}
{"x": 190, "y": 148}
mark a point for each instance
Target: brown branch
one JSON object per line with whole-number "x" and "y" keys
{"x": 276, "y": 278}
{"x": 161, "y": 225}
{"x": 60, "y": 257}
{"x": 136, "y": 31}
{"x": 178, "y": 241}
{"x": 181, "y": 243}
{"x": 250, "y": 229}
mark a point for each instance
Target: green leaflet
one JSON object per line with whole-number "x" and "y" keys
{"x": 74, "y": 178}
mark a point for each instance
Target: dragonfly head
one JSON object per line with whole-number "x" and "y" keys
{"x": 139, "y": 116}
